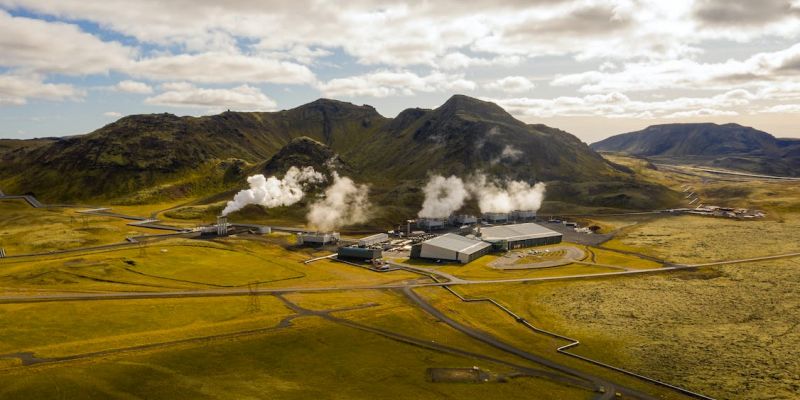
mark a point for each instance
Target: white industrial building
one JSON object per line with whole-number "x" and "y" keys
{"x": 373, "y": 239}
{"x": 451, "y": 247}
{"x": 430, "y": 223}
{"x": 463, "y": 219}
{"x": 317, "y": 239}
{"x": 523, "y": 215}
{"x": 508, "y": 237}
{"x": 495, "y": 217}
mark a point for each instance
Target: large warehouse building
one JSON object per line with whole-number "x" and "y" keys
{"x": 509, "y": 237}
{"x": 451, "y": 247}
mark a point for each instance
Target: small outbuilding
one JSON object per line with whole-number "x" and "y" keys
{"x": 359, "y": 253}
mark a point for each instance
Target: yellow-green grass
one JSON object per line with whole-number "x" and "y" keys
{"x": 74, "y": 327}
{"x": 490, "y": 319}
{"x": 176, "y": 264}
{"x": 24, "y": 229}
{"x": 690, "y": 239}
{"x": 728, "y": 332}
{"x": 312, "y": 359}
{"x": 609, "y": 257}
{"x": 393, "y": 311}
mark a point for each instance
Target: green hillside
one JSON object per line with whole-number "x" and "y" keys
{"x": 143, "y": 158}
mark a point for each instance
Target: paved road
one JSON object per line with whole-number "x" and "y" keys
{"x": 728, "y": 172}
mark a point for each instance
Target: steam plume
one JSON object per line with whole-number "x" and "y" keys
{"x": 345, "y": 203}
{"x": 515, "y": 195}
{"x": 443, "y": 196}
{"x": 273, "y": 192}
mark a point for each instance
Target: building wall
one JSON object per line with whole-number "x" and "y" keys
{"x": 467, "y": 258}
{"x": 437, "y": 253}
{"x": 534, "y": 242}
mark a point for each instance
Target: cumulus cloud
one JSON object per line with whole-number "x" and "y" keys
{"x": 112, "y": 114}
{"x": 129, "y": 86}
{"x": 221, "y": 68}
{"x": 240, "y": 98}
{"x": 17, "y": 89}
{"x": 619, "y": 105}
{"x": 744, "y": 12}
{"x": 512, "y": 84}
{"x": 760, "y": 68}
{"x": 34, "y": 45}
{"x": 385, "y": 83}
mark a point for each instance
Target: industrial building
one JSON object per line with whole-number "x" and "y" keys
{"x": 509, "y": 237}
{"x": 451, "y": 247}
{"x": 317, "y": 239}
{"x": 463, "y": 219}
{"x": 373, "y": 239}
{"x": 495, "y": 217}
{"x": 222, "y": 225}
{"x": 430, "y": 223}
{"x": 523, "y": 215}
{"x": 359, "y": 253}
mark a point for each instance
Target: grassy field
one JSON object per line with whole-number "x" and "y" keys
{"x": 75, "y": 327}
{"x": 24, "y": 229}
{"x": 689, "y": 239}
{"x": 176, "y": 264}
{"x": 729, "y": 332}
{"x": 312, "y": 359}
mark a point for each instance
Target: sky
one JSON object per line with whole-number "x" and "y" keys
{"x": 593, "y": 68}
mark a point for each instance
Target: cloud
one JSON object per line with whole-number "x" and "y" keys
{"x": 129, "y": 86}
{"x": 618, "y": 105}
{"x": 112, "y": 114}
{"x": 240, "y": 98}
{"x": 385, "y": 83}
{"x": 782, "y": 108}
{"x": 743, "y": 12}
{"x": 512, "y": 84}
{"x": 221, "y": 68}
{"x": 458, "y": 60}
{"x": 16, "y": 90}
{"x": 759, "y": 69}
{"x": 37, "y": 46}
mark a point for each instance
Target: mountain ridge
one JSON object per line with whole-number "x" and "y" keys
{"x": 462, "y": 136}
{"x": 719, "y": 145}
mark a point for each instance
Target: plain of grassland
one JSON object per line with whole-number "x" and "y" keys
{"x": 730, "y": 332}
{"x": 180, "y": 264}
{"x": 695, "y": 239}
{"x": 310, "y": 359}
{"x": 488, "y": 318}
{"x": 24, "y": 229}
{"x": 76, "y": 327}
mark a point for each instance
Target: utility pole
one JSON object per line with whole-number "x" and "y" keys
{"x": 254, "y": 305}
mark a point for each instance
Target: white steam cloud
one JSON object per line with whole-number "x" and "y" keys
{"x": 515, "y": 195}
{"x": 273, "y": 192}
{"x": 345, "y": 203}
{"x": 443, "y": 196}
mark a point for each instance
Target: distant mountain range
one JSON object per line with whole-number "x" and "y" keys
{"x": 143, "y": 158}
{"x": 727, "y": 146}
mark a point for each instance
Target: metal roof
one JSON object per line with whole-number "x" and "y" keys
{"x": 457, "y": 243}
{"x": 516, "y": 232}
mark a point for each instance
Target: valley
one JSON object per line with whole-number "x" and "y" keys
{"x": 669, "y": 307}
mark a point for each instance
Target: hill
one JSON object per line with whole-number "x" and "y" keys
{"x": 727, "y": 146}
{"x": 144, "y": 158}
